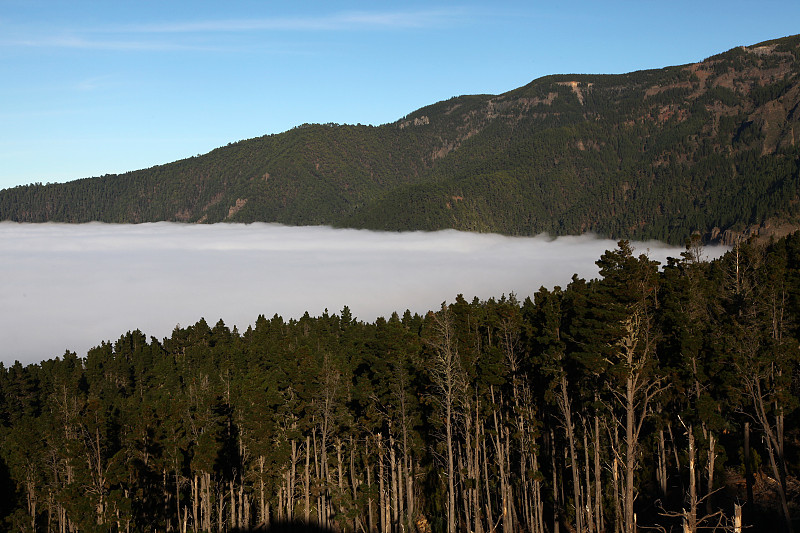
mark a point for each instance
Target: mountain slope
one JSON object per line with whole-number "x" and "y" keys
{"x": 707, "y": 147}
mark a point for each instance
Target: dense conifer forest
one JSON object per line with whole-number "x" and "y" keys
{"x": 712, "y": 147}
{"x": 658, "y": 397}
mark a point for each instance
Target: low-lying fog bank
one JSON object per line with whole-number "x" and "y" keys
{"x": 72, "y": 286}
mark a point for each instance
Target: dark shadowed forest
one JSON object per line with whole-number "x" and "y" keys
{"x": 657, "y": 397}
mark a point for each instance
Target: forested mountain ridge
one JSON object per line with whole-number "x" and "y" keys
{"x": 646, "y": 399}
{"x": 705, "y": 147}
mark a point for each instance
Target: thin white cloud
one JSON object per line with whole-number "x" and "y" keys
{"x": 95, "y": 83}
{"x": 73, "y": 286}
{"x": 198, "y": 35}
{"x": 361, "y": 20}
{"x": 83, "y": 43}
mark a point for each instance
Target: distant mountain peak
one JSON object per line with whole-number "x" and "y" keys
{"x": 709, "y": 147}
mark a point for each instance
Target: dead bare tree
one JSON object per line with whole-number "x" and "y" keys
{"x": 447, "y": 376}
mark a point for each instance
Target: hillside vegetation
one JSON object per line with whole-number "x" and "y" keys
{"x": 708, "y": 147}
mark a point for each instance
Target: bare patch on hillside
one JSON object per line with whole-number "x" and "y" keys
{"x": 240, "y": 203}
{"x": 576, "y": 88}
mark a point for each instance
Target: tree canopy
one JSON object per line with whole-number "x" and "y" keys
{"x": 655, "y": 396}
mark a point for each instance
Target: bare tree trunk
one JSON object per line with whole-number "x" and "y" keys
{"x": 209, "y": 502}
{"x": 234, "y": 523}
{"x": 737, "y": 518}
{"x": 598, "y": 475}
{"x": 447, "y": 376}
{"x": 340, "y": 474}
{"x": 569, "y": 430}
{"x": 537, "y": 497}
{"x": 394, "y": 483}
{"x": 556, "y": 498}
{"x": 30, "y": 492}
{"x": 407, "y": 468}
{"x": 616, "y": 480}
{"x": 451, "y": 489}
{"x": 307, "y": 480}
{"x": 319, "y": 480}
{"x": 674, "y": 447}
{"x": 281, "y": 497}
{"x": 353, "y": 480}
{"x": 292, "y": 481}
{"x": 512, "y": 510}
{"x": 476, "y": 473}
{"x": 661, "y": 468}
{"x": 489, "y": 513}
{"x": 526, "y": 491}
{"x": 368, "y": 468}
{"x": 220, "y": 490}
{"x": 195, "y": 501}
{"x": 630, "y": 455}
{"x": 778, "y": 472}
{"x": 690, "y": 514}
{"x": 381, "y": 488}
{"x": 467, "y": 473}
{"x": 244, "y": 508}
{"x": 774, "y": 446}
{"x": 501, "y": 460}
{"x": 466, "y": 521}
{"x": 712, "y": 457}
{"x": 262, "y": 510}
{"x": 589, "y": 523}
{"x": 401, "y": 496}
{"x": 748, "y": 467}
{"x": 634, "y": 398}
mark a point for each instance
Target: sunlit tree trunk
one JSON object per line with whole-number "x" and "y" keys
{"x": 564, "y": 406}
{"x": 447, "y": 377}
{"x": 307, "y": 480}
{"x": 598, "y": 475}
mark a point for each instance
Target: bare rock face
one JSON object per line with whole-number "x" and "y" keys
{"x": 760, "y": 233}
{"x": 240, "y": 202}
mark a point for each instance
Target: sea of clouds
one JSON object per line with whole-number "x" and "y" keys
{"x": 69, "y": 287}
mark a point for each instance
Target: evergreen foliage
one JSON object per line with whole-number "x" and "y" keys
{"x": 614, "y": 403}
{"x": 706, "y": 147}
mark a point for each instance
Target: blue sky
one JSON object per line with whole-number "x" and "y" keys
{"x": 90, "y": 88}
